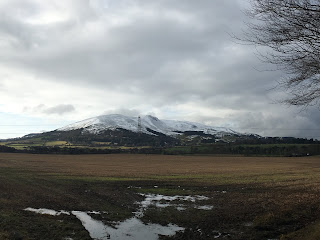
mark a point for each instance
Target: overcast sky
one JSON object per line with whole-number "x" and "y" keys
{"x": 65, "y": 61}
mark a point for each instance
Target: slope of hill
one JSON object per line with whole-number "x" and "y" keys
{"x": 149, "y": 125}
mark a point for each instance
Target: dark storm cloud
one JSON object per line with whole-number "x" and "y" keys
{"x": 278, "y": 124}
{"x": 147, "y": 52}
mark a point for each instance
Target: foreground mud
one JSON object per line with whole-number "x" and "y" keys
{"x": 233, "y": 198}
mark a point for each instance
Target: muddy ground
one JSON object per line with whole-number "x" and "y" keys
{"x": 252, "y": 197}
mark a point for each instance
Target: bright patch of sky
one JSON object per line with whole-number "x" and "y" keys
{"x": 18, "y": 125}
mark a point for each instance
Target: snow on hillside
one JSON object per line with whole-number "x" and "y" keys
{"x": 167, "y": 127}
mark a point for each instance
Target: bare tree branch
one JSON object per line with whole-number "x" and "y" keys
{"x": 291, "y": 30}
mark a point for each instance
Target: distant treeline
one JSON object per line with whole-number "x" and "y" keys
{"x": 277, "y": 140}
{"x": 79, "y": 150}
{"x": 247, "y": 149}
{"x": 236, "y": 149}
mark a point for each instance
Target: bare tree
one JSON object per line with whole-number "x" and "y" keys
{"x": 291, "y": 31}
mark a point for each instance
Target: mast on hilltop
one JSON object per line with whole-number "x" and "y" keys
{"x": 139, "y": 125}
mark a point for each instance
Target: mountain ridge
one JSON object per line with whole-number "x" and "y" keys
{"x": 101, "y": 123}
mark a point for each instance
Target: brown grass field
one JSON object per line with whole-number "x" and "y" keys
{"x": 253, "y": 197}
{"x": 131, "y": 165}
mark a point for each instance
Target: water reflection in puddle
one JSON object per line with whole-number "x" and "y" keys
{"x": 205, "y": 207}
{"x": 162, "y": 201}
{"x": 132, "y": 228}
{"x": 96, "y": 229}
{"x": 47, "y": 211}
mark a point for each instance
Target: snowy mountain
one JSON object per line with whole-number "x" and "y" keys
{"x": 148, "y": 125}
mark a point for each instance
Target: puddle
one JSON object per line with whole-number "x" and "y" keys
{"x": 132, "y": 228}
{"x": 159, "y": 197}
{"x": 223, "y": 235}
{"x": 248, "y": 224}
{"x": 217, "y": 235}
{"x": 205, "y": 207}
{"x": 162, "y": 201}
{"x": 134, "y": 187}
{"x": 220, "y": 192}
{"x": 96, "y": 229}
{"x": 181, "y": 208}
{"x": 47, "y": 211}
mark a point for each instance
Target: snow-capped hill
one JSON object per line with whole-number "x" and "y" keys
{"x": 183, "y": 126}
{"x": 149, "y": 125}
{"x": 104, "y": 122}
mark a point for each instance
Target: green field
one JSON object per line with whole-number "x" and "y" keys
{"x": 25, "y": 144}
